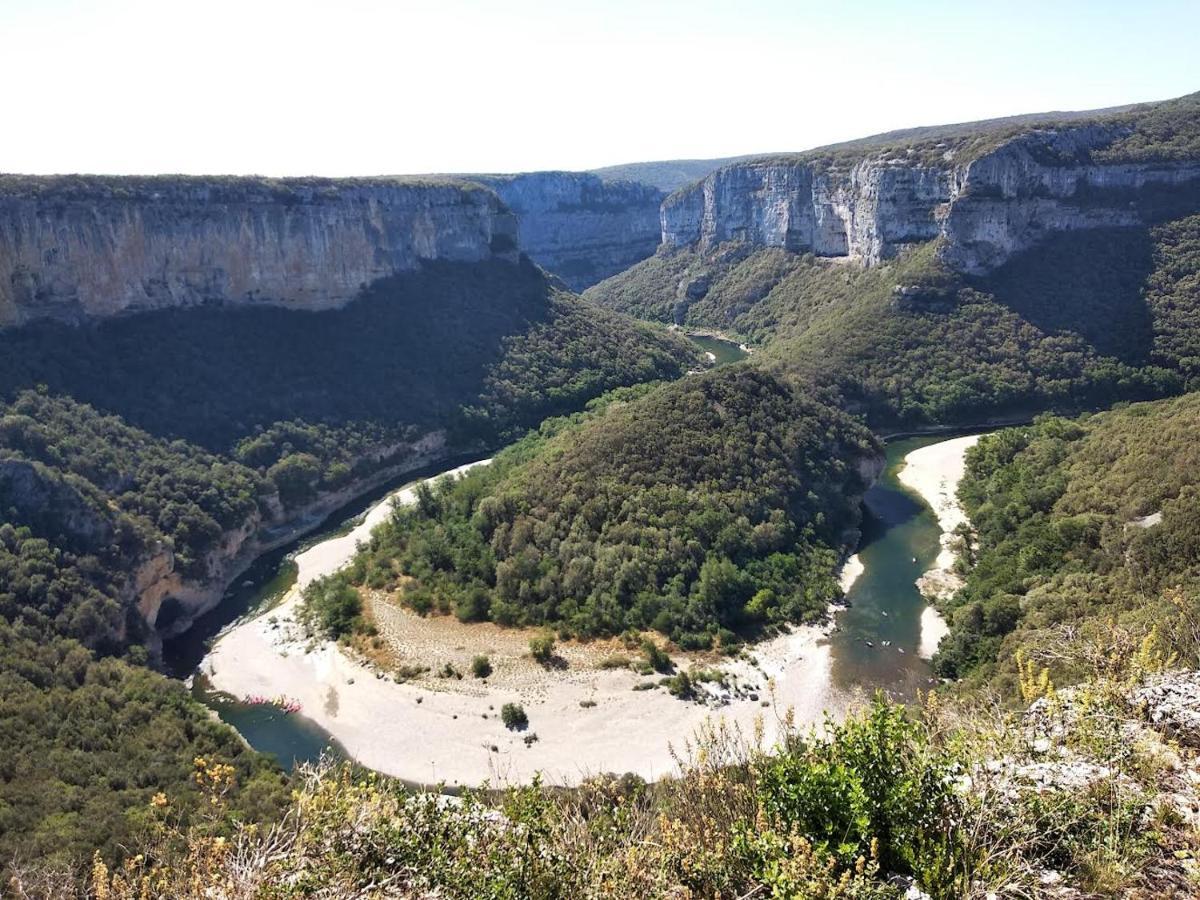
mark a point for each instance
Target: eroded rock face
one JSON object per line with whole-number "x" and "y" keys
{"x": 81, "y": 247}
{"x": 985, "y": 209}
{"x": 868, "y": 213}
{"x": 578, "y": 226}
{"x": 170, "y": 603}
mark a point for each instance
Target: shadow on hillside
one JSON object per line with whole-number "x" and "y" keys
{"x": 1087, "y": 283}
{"x": 413, "y": 348}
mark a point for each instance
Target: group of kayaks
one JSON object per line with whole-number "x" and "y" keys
{"x": 285, "y": 704}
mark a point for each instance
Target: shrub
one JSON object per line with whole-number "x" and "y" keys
{"x": 874, "y": 787}
{"x": 333, "y": 607}
{"x": 656, "y": 658}
{"x": 513, "y": 716}
{"x": 681, "y": 686}
{"x": 481, "y": 666}
{"x": 542, "y": 647}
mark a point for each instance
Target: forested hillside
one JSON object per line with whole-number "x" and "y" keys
{"x": 1085, "y": 528}
{"x": 1083, "y": 320}
{"x": 210, "y": 422}
{"x": 711, "y": 506}
{"x": 415, "y": 350}
{"x": 89, "y": 735}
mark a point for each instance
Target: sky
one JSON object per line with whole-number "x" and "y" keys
{"x": 351, "y": 87}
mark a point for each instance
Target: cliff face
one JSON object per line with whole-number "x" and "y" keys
{"x": 985, "y": 209}
{"x": 579, "y": 227}
{"x": 75, "y": 248}
{"x": 170, "y": 603}
{"x": 1036, "y": 184}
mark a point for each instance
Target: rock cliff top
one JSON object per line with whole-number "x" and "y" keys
{"x": 78, "y": 247}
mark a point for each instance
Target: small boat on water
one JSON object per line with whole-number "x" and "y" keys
{"x": 868, "y": 643}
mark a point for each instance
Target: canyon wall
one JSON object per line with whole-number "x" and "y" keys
{"x": 170, "y": 603}
{"x": 985, "y": 208}
{"x": 76, "y": 247}
{"x": 578, "y": 226}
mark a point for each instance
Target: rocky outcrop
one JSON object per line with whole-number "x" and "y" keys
{"x": 984, "y": 208}
{"x": 867, "y": 213}
{"x": 170, "y": 603}
{"x": 1045, "y": 182}
{"x": 82, "y": 247}
{"x": 578, "y": 226}
{"x": 38, "y": 496}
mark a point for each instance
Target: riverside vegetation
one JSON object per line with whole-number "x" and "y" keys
{"x": 1080, "y": 527}
{"x": 701, "y": 509}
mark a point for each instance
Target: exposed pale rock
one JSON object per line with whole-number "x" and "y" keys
{"x": 83, "y": 247}
{"x": 578, "y": 226}
{"x": 1170, "y": 701}
{"x": 984, "y": 210}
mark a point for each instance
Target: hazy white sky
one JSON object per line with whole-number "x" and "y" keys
{"x": 350, "y": 87}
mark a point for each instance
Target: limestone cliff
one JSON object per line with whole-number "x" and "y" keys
{"x": 985, "y": 206}
{"x": 169, "y": 603}
{"x": 578, "y": 226}
{"x": 81, "y": 247}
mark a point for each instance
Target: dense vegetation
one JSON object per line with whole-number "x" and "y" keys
{"x": 87, "y": 738}
{"x": 86, "y": 743}
{"x": 414, "y": 351}
{"x": 201, "y": 422}
{"x": 92, "y": 498}
{"x": 716, "y": 504}
{"x": 1064, "y": 543}
{"x": 1063, "y": 326}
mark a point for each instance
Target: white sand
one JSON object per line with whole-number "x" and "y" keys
{"x": 850, "y": 572}
{"x": 934, "y": 472}
{"x": 432, "y": 730}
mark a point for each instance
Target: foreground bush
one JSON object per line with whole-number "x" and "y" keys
{"x": 939, "y": 802}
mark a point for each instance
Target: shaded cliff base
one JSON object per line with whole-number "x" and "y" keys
{"x": 414, "y": 350}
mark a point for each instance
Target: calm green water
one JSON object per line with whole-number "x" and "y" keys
{"x": 724, "y": 351}
{"x": 900, "y": 541}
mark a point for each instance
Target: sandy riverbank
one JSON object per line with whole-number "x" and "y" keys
{"x": 934, "y": 472}
{"x": 587, "y": 719}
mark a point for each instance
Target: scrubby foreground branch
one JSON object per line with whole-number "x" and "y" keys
{"x": 1086, "y": 792}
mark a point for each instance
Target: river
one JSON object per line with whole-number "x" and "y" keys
{"x": 900, "y": 541}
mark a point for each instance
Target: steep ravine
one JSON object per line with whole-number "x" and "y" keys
{"x": 578, "y": 226}
{"x": 171, "y": 604}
